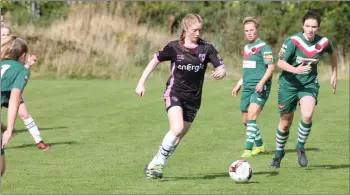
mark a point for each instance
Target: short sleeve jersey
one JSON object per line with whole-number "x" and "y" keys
{"x": 257, "y": 56}
{"x": 13, "y": 75}
{"x": 188, "y": 68}
{"x": 295, "y": 50}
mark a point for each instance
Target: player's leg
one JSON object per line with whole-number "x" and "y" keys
{"x": 282, "y": 135}
{"x": 287, "y": 102}
{"x": 2, "y": 159}
{"x": 187, "y": 126}
{"x": 257, "y": 104}
{"x": 3, "y": 128}
{"x": 190, "y": 110}
{"x": 154, "y": 169}
{"x": 2, "y": 162}
{"x": 244, "y": 105}
{"x": 244, "y": 117}
{"x": 31, "y": 126}
{"x": 308, "y": 101}
{"x": 251, "y": 128}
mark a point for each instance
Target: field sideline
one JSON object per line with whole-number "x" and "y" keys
{"x": 102, "y": 136}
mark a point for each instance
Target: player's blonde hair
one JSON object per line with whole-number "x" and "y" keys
{"x": 186, "y": 22}
{"x": 252, "y": 20}
{"x": 12, "y": 48}
{"x": 6, "y": 26}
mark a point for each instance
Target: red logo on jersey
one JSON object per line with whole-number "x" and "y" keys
{"x": 318, "y": 46}
{"x": 253, "y": 49}
{"x": 281, "y": 106}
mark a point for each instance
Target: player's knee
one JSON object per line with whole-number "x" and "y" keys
{"x": 244, "y": 121}
{"x": 252, "y": 116}
{"x": 307, "y": 118}
{"x": 285, "y": 125}
{"x": 177, "y": 129}
{"x": 23, "y": 115}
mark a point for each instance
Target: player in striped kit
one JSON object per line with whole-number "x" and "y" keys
{"x": 256, "y": 81}
{"x": 298, "y": 59}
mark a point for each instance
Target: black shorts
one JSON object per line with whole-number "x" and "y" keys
{"x": 189, "y": 109}
{"x": 6, "y": 104}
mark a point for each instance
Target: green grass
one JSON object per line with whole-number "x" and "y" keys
{"x": 102, "y": 136}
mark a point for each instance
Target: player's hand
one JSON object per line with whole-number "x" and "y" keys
{"x": 6, "y": 137}
{"x": 218, "y": 73}
{"x": 235, "y": 90}
{"x": 334, "y": 83}
{"x": 259, "y": 87}
{"x": 140, "y": 90}
{"x": 32, "y": 60}
{"x": 302, "y": 69}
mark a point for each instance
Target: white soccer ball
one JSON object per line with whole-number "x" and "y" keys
{"x": 240, "y": 171}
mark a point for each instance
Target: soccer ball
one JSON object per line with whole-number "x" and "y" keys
{"x": 240, "y": 171}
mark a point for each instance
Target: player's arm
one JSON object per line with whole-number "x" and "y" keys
{"x": 240, "y": 82}
{"x": 334, "y": 65}
{"x": 220, "y": 71}
{"x": 238, "y": 87}
{"x": 13, "y": 108}
{"x": 148, "y": 70}
{"x": 30, "y": 62}
{"x": 268, "y": 73}
{"x": 268, "y": 60}
{"x": 14, "y": 102}
{"x": 287, "y": 52}
{"x": 164, "y": 55}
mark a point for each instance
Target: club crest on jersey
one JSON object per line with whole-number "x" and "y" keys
{"x": 201, "y": 57}
{"x": 281, "y": 106}
{"x": 180, "y": 57}
{"x": 253, "y": 49}
{"x": 268, "y": 57}
{"x": 318, "y": 47}
{"x": 283, "y": 50}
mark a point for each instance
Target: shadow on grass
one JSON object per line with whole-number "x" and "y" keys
{"x": 328, "y": 166}
{"x": 290, "y": 151}
{"x": 218, "y": 175}
{"x": 50, "y": 144}
{"x": 19, "y": 131}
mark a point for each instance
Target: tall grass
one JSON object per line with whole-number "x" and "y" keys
{"x": 93, "y": 44}
{"x": 98, "y": 41}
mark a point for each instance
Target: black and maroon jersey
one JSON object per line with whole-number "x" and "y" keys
{"x": 188, "y": 68}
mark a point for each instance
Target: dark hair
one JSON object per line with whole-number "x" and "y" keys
{"x": 312, "y": 14}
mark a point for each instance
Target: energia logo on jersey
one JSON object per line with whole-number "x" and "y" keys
{"x": 191, "y": 67}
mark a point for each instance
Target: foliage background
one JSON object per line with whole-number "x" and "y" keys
{"x": 115, "y": 40}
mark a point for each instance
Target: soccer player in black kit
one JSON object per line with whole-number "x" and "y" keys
{"x": 189, "y": 57}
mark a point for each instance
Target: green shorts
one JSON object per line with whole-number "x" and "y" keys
{"x": 249, "y": 95}
{"x": 289, "y": 96}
